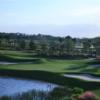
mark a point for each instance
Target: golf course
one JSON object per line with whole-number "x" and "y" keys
{"x": 50, "y": 50}
{"x": 24, "y": 65}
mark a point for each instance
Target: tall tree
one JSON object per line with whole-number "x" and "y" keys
{"x": 32, "y": 45}
{"x": 21, "y": 44}
{"x": 69, "y": 45}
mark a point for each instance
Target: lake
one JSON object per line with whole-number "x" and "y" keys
{"x": 11, "y": 86}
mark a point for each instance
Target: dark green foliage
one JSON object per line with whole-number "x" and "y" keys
{"x": 32, "y": 45}
{"x": 58, "y": 93}
{"x": 5, "y": 98}
{"x": 47, "y": 45}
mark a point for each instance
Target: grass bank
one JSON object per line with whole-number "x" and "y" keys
{"x": 50, "y": 77}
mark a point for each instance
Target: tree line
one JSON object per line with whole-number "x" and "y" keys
{"x": 49, "y": 45}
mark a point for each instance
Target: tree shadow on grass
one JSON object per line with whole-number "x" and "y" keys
{"x": 93, "y": 70}
{"x": 76, "y": 67}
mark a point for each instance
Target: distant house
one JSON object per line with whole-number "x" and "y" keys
{"x": 98, "y": 52}
{"x": 12, "y": 42}
{"x": 92, "y": 51}
{"x": 92, "y": 47}
{"x": 78, "y": 47}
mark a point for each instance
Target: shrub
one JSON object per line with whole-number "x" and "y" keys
{"x": 88, "y": 95}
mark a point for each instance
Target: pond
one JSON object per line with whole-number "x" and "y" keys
{"x": 10, "y": 86}
{"x": 86, "y": 77}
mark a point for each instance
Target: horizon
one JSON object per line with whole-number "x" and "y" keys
{"x": 51, "y": 17}
{"x": 50, "y": 35}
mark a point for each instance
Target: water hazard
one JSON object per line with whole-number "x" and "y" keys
{"x": 11, "y": 86}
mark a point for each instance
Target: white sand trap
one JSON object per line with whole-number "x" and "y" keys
{"x": 85, "y": 77}
{"x": 7, "y": 63}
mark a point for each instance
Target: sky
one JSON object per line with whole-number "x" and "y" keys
{"x": 77, "y": 18}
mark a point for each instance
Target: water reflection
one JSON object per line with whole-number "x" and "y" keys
{"x": 11, "y": 86}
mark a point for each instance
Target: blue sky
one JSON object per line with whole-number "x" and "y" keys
{"x": 78, "y": 18}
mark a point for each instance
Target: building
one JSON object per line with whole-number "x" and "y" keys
{"x": 92, "y": 51}
{"x": 81, "y": 50}
{"x": 79, "y": 47}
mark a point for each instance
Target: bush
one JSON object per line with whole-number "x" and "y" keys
{"x": 88, "y": 95}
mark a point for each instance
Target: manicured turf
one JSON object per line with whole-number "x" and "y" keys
{"x": 53, "y": 66}
{"x": 59, "y": 66}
